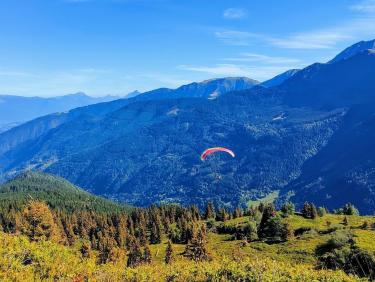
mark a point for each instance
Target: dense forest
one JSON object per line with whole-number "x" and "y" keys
{"x": 51, "y": 230}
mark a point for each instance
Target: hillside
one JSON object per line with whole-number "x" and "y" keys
{"x": 52, "y": 230}
{"x": 58, "y": 193}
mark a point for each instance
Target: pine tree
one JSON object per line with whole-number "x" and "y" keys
{"x": 107, "y": 249}
{"x": 322, "y": 211}
{"x": 196, "y": 249}
{"x": 169, "y": 253}
{"x": 39, "y": 223}
{"x": 85, "y": 250}
{"x": 147, "y": 258}
{"x": 237, "y": 213}
{"x": 314, "y": 212}
{"x": 210, "y": 211}
{"x": 309, "y": 210}
{"x": 135, "y": 257}
{"x": 155, "y": 234}
{"x": 222, "y": 215}
{"x": 269, "y": 211}
{"x": 287, "y": 209}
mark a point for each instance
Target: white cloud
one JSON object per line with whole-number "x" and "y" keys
{"x": 364, "y": 6}
{"x": 167, "y": 80}
{"x": 359, "y": 28}
{"x": 324, "y": 39}
{"x": 235, "y": 37}
{"x": 11, "y": 73}
{"x": 251, "y": 57}
{"x": 234, "y": 13}
{"x": 221, "y": 69}
{"x": 260, "y": 73}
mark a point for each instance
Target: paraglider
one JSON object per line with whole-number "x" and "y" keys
{"x": 210, "y": 151}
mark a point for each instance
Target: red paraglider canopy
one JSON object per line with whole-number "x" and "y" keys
{"x": 210, "y": 151}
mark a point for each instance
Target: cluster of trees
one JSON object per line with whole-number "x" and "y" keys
{"x": 111, "y": 233}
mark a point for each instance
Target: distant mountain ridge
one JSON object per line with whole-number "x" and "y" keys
{"x": 354, "y": 50}
{"x": 210, "y": 89}
{"x": 279, "y": 79}
{"x": 17, "y": 109}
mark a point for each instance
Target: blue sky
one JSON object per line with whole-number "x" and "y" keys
{"x": 55, "y": 47}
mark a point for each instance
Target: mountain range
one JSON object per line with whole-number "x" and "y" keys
{"x": 306, "y": 135}
{"x": 15, "y": 110}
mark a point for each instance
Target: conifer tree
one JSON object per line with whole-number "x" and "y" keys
{"x": 287, "y": 209}
{"x": 309, "y": 210}
{"x": 39, "y": 223}
{"x": 85, "y": 250}
{"x": 169, "y": 253}
{"x": 269, "y": 211}
{"x": 196, "y": 249}
{"x": 135, "y": 257}
{"x": 147, "y": 258}
{"x": 155, "y": 234}
{"x": 237, "y": 213}
{"x": 210, "y": 211}
{"x": 222, "y": 215}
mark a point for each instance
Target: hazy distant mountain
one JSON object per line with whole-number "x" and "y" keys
{"x": 132, "y": 94}
{"x": 210, "y": 89}
{"x": 278, "y": 79}
{"x": 354, "y": 50}
{"x": 18, "y": 109}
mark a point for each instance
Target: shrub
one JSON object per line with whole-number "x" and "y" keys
{"x": 287, "y": 209}
{"x": 322, "y": 211}
{"x": 337, "y": 241}
{"x": 348, "y": 209}
{"x": 309, "y": 211}
{"x": 247, "y": 231}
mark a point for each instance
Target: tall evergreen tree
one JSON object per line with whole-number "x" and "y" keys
{"x": 169, "y": 253}
{"x": 210, "y": 211}
{"x": 39, "y": 223}
{"x": 147, "y": 258}
{"x": 309, "y": 210}
{"x": 196, "y": 249}
{"x": 135, "y": 257}
{"x": 155, "y": 233}
{"x": 237, "y": 212}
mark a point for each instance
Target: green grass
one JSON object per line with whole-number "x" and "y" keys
{"x": 270, "y": 198}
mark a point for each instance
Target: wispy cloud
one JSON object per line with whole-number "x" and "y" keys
{"x": 11, "y": 73}
{"x": 326, "y": 38}
{"x": 367, "y": 6}
{"x": 221, "y": 70}
{"x": 234, "y": 13}
{"x": 258, "y": 58}
{"x": 235, "y": 37}
{"x": 167, "y": 80}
